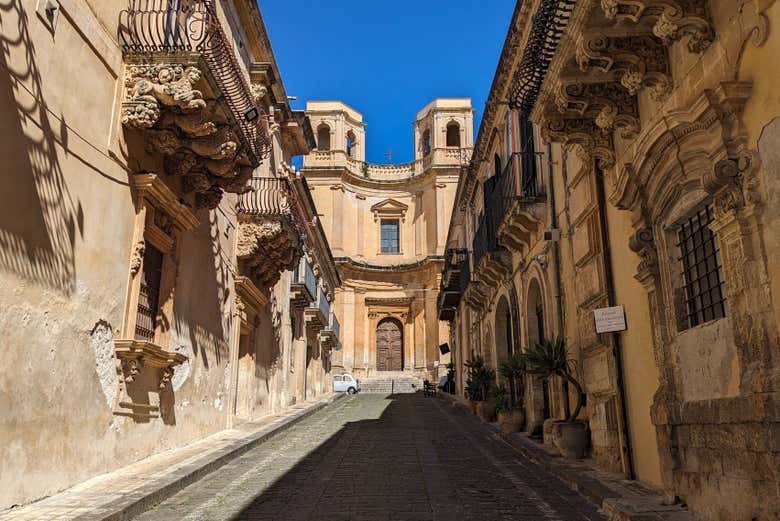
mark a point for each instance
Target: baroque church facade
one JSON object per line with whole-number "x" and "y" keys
{"x": 387, "y": 227}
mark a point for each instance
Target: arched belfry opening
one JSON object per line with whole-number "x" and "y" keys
{"x": 453, "y": 134}
{"x": 351, "y": 144}
{"x": 390, "y": 345}
{"x": 323, "y": 137}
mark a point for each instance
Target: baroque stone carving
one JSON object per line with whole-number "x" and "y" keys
{"x": 149, "y": 86}
{"x": 193, "y": 134}
{"x": 643, "y": 244}
{"x": 131, "y": 367}
{"x": 672, "y": 20}
{"x": 137, "y": 257}
{"x": 268, "y": 246}
{"x": 636, "y": 61}
{"x": 608, "y": 104}
{"x": 584, "y": 132}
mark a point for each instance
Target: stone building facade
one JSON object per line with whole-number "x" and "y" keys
{"x": 162, "y": 272}
{"x": 387, "y": 225}
{"x": 631, "y": 149}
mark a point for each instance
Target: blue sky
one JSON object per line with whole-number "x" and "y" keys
{"x": 387, "y": 58}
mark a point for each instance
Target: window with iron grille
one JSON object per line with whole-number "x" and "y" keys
{"x": 705, "y": 295}
{"x": 149, "y": 296}
{"x": 390, "y": 236}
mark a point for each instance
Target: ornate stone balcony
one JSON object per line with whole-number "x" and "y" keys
{"x": 329, "y": 337}
{"x": 270, "y": 231}
{"x": 317, "y": 315}
{"x": 587, "y": 64}
{"x": 451, "y": 289}
{"x": 185, "y": 89}
{"x": 303, "y": 289}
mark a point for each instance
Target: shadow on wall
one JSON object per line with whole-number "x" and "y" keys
{"x": 201, "y": 308}
{"x": 39, "y": 218}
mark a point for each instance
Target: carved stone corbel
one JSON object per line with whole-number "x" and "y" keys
{"x": 267, "y": 246}
{"x": 148, "y": 87}
{"x": 636, "y": 61}
{"x": 608, "y": 104}
{"x": 643, "y": 244}
{"x": 583, "y": 132}
{"x": 672, "y": 20}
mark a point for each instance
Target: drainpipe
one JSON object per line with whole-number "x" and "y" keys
{"x": 556, "y": 263}
{"x": 625, "y": 446}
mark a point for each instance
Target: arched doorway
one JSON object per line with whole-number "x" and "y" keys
{"x": 390, "y": 345}
{"x": 503, "y": 331}
{"x": 536, "y": 334}
{"x": 535, "y": 313}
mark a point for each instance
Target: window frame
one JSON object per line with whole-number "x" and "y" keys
{"x": 692, "y": 238}
{"x": 397, "y": 222}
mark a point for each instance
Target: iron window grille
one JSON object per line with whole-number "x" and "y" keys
{"x": 149, "y": 296}
{"x": 705, "y": 295}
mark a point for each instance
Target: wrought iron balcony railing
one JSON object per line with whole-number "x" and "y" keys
{"x": 304, "y": 276}
{"x": 323, "y": 304}
{"x": 518, "y": 181}
{"x": 172, "y": 27}
{"x": 486, "y": 239}
{"x": 269, "y": 196}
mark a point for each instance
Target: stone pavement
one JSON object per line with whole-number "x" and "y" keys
{"x": 133, "y": 489}
{"x": 372, "y": 457}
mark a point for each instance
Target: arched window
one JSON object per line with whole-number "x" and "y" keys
{"x": 323, "y": 138}
{"x": 426, "y": 143}
{"x": 453, "y": 134}
{"x": 351, "y": 142}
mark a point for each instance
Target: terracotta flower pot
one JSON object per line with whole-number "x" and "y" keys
{"x": 571, "y": 439}
{"x": 511, "y": 420}
{"x": 472, "y": 406}
{"x": 486, "y": 411}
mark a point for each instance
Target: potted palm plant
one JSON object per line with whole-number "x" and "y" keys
{"x": 485, "y": 409}
{"x": 511, "y": 417}
{"x": 473, "y": 385}
{"x": 550, "y": 358}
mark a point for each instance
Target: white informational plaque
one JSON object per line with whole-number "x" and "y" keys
{"x": 610, "y": 320}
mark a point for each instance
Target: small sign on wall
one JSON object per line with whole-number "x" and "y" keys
{"x": 610, "y": 320}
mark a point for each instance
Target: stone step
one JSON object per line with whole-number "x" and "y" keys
{"x": 387, "y": 384}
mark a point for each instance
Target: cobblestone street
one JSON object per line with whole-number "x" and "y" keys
{"x": 372, "y": 457}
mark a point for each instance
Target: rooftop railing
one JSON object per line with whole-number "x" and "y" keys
{"x": 154, "y": 27}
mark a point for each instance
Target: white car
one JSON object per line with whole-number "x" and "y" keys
{"x": 345, "y": 383}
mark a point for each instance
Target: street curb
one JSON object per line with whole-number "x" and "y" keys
{"x": 158, "y": 490}
{"x": 619, "y": 498}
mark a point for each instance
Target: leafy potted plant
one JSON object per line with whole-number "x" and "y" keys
{"x": 511, "y": 417}
{"x": 550, "y": 358}
{"x": 485, "y": 408}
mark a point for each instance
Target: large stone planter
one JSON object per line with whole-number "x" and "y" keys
{"x": 571, "y": 438}
{"x": 486, "y": 411}
{"x": 511, "y": 420}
